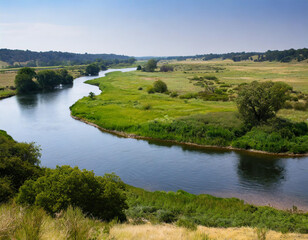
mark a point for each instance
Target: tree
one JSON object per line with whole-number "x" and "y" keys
{"x": 150, "y": 66}
{"x": 258, "y": 102}
{"x": 160, "y": 86}
{"x": 48, "y": 79}
{"x": 65, "y": 77}
{"x": 24, "y": 80}
{"x": 92, "y": 95}
{"x": 19, "y": 162}
{"x": 92, "y": 69}
{"x": 101, "y": 197}
{"x": 24, "y": 83}
{"x": 166, "y": 68}
{"x": 139, "y": 68}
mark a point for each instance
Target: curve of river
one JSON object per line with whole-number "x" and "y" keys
{"x": 45, "y": 119}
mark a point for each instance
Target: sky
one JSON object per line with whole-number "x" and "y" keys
{"x": 153, "y": 27}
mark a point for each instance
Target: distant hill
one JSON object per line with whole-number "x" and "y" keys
{"x": 275, "y": 55}
{"x": 52, "y": 58}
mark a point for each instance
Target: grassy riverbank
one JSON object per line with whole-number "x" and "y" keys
{"x": 125, "y": 105}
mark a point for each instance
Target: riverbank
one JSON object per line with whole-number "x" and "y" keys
{"x": 134, "y": 136}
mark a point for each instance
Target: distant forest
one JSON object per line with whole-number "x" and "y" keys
{"x": 280, "y": 56}
{"x": 33, "y": 59}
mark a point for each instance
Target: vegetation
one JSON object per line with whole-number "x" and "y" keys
{"x": 20, "y": 58}
{"x": 92, "y": 69}
{"x": 150, "y": 66}
{"x": 160, "y": 87}
{"x": 166, "y": 68}
{"x": 24, "y": 80}
{"x": 258, "y": 102}
{"x": 101, "y": 197}
{"x": 190, "y": 116}
{"x": 19, "y": 162}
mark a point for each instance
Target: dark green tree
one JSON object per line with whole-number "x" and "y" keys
{"x": 101, "y": 197}
{"x": 160, "y": 86}
{"x": 139, "y": 68}
{"x": 19, "y": 162}
{"x": 166, "y": 68}
{"x": 65, "y": 77}
{"x": 92, "y": 69}
{"x": 48, "y": 79}
{"x": 260, "y": 101}
{"x": 150, "y": 66}
{"x": 24, "y": 83}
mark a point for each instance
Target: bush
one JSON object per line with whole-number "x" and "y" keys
{"x": 186, "y": 223}
{"x": 189, "y": 95}
{"x": 138, "y": 68}
{"x": 150, "y": 90}
{"x": 147, "y": 106}
{"x": 300, "y": 106}
{"x": 166, "y": 68}
{"x": 102, "y": 197}
{"x": 160, "y": 86}
{"x": 174, "y": 94}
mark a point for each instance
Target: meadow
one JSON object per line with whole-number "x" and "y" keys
{"x": 185, "y": 115}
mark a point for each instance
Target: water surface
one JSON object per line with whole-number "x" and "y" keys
{"x": 45, "y": 118}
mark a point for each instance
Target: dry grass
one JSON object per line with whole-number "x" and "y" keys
{"x": 7, "y": 78}
{"x": 170, "y": 232}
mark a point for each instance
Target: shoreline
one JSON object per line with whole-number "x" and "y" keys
{"x": 134, "y": 136}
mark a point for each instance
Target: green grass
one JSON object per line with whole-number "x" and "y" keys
{"x": 209, "y": 211}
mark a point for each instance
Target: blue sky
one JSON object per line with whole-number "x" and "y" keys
{"x": 153, "y": 28}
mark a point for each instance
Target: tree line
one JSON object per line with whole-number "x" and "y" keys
{"x": 270, "y": 55}
{"x": 27, "y": 80}
{"x": 28, "y": 58}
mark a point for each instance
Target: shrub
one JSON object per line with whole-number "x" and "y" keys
{"x": 147, "y": 106}
{"x": 211, "y": 78}
{"x": 189, "y": 95}
{"x": 173, "y": 94}
{"x": 160, "y": 86}
{"x": 140, "y": 88}
{"x": 150, "y": 90}
{"x": 92, "y": 95}
{"x": 301, "y": 106}
{"x": 186, "y": 223}
{"x": 165, "y": 216}
{"x": 138, "y": 68}
{"x": 102, "y": 197}
{"x": 166, "y": 68}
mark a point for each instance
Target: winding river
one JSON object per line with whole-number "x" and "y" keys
{"x": 45, "y": 118}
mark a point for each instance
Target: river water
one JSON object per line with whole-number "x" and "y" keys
{"x": 45, "y": 118}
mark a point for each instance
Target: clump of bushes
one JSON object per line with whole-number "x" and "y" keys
{"x": 166, "y": 68}
{"x": 189, "y": 96}
{"x": 102, "y": 197}
{"x": 160, "y": 86}
{"x": 174, "y": 94}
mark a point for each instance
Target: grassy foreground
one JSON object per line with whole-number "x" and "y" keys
{"x": 126, "y": 106}
{"x": 33, "y": 223}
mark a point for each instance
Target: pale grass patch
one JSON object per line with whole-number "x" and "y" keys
{"x": 170, "y": 232}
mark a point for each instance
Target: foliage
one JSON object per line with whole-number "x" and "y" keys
{"x": 51, "y": 58}
{"x": 19, "y": 162}
{"x": 92, "y": 69}
{"x": 48, "y": 79}
{"x": 258, "y": 102}
{"x": 65, "y": 77}
{"x": 139, "y": 68}
{"x": 160, "y": 86}
{"x": 102, "y": 197}
{"x": 24, "y": 80}
{"x": 166, "y": 68}
{"x": 150, "y": 66}
{"x": 92, "y": 95}
{"x": 191, "y": 210}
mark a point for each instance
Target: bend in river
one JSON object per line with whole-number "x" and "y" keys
{"x": 45, "y": 119}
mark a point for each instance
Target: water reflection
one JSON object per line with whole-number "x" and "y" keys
{"x": 264, "y": 171}
{"x": 27, "y": 101}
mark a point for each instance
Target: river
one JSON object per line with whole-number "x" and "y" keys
{"x": 45, "y": 118}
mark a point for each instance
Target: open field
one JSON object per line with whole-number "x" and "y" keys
{"x": 294, "y": 73}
